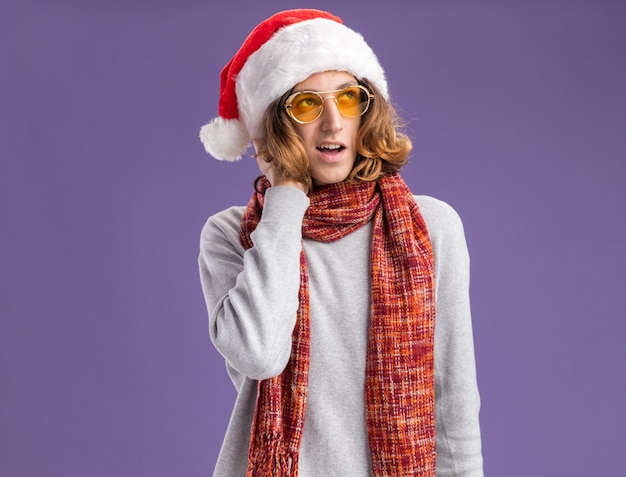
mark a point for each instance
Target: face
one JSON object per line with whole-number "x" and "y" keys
{"x": 330, "y": 140}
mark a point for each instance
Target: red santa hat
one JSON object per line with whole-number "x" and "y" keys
{"x": 280, "y": 52}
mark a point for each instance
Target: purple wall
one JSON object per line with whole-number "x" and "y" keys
{"x": 518, "y": 114}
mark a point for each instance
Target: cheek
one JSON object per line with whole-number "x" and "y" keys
{"x": 304, "y": 131}
{"x": 355, "y": 132}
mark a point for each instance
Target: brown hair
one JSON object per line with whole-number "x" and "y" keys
{"x": 382, "y": 147}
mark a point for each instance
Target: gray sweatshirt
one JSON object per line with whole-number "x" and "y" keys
{"x": 252, "y": 299}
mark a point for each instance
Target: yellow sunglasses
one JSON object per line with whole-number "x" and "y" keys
{"x": 306, "y": 106}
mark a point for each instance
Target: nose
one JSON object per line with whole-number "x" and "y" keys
{"x": 331, "y": 118}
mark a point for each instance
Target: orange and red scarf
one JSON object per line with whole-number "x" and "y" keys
{"x": 399, "y": 390}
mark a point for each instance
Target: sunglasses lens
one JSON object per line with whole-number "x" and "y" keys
{"x": 306, "y": 107}
{"x": 352, "y": 101}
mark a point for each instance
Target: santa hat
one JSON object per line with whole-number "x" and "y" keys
{"x": 280, "y": 52}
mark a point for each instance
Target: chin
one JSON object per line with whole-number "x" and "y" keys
{"x": 319, "y": 181}
{"x": 327, "y": 177}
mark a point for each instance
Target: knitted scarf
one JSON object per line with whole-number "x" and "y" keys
{"x": 399, "y": 391}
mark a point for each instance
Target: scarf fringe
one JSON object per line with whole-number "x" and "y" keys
{"x": 272, "y": 458}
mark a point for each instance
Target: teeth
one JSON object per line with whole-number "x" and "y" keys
{"x": 329, "y": 146}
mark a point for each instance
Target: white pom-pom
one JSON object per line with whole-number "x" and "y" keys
{"x": 225, "y": 139}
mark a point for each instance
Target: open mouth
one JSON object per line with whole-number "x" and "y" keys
{"x": 332, "y": 148}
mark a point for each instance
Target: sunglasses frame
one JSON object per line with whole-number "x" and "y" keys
{"x": 323, "y": 99}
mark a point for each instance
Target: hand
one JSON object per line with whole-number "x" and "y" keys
{"x": 274, "y": 176}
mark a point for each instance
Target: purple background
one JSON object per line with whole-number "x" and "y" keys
{"x": 517, "y": 110}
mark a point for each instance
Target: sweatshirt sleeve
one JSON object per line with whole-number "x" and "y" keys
{"x": 252, "y": 295}
{"x": 457, "y": 401}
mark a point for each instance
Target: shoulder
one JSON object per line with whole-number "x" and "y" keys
{"x": 225, "y": 224}
{"x": 440, "y": 217}
{"x": 447, "y": 237}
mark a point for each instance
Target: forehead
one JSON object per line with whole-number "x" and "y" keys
{"x": 326, "y": 81}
